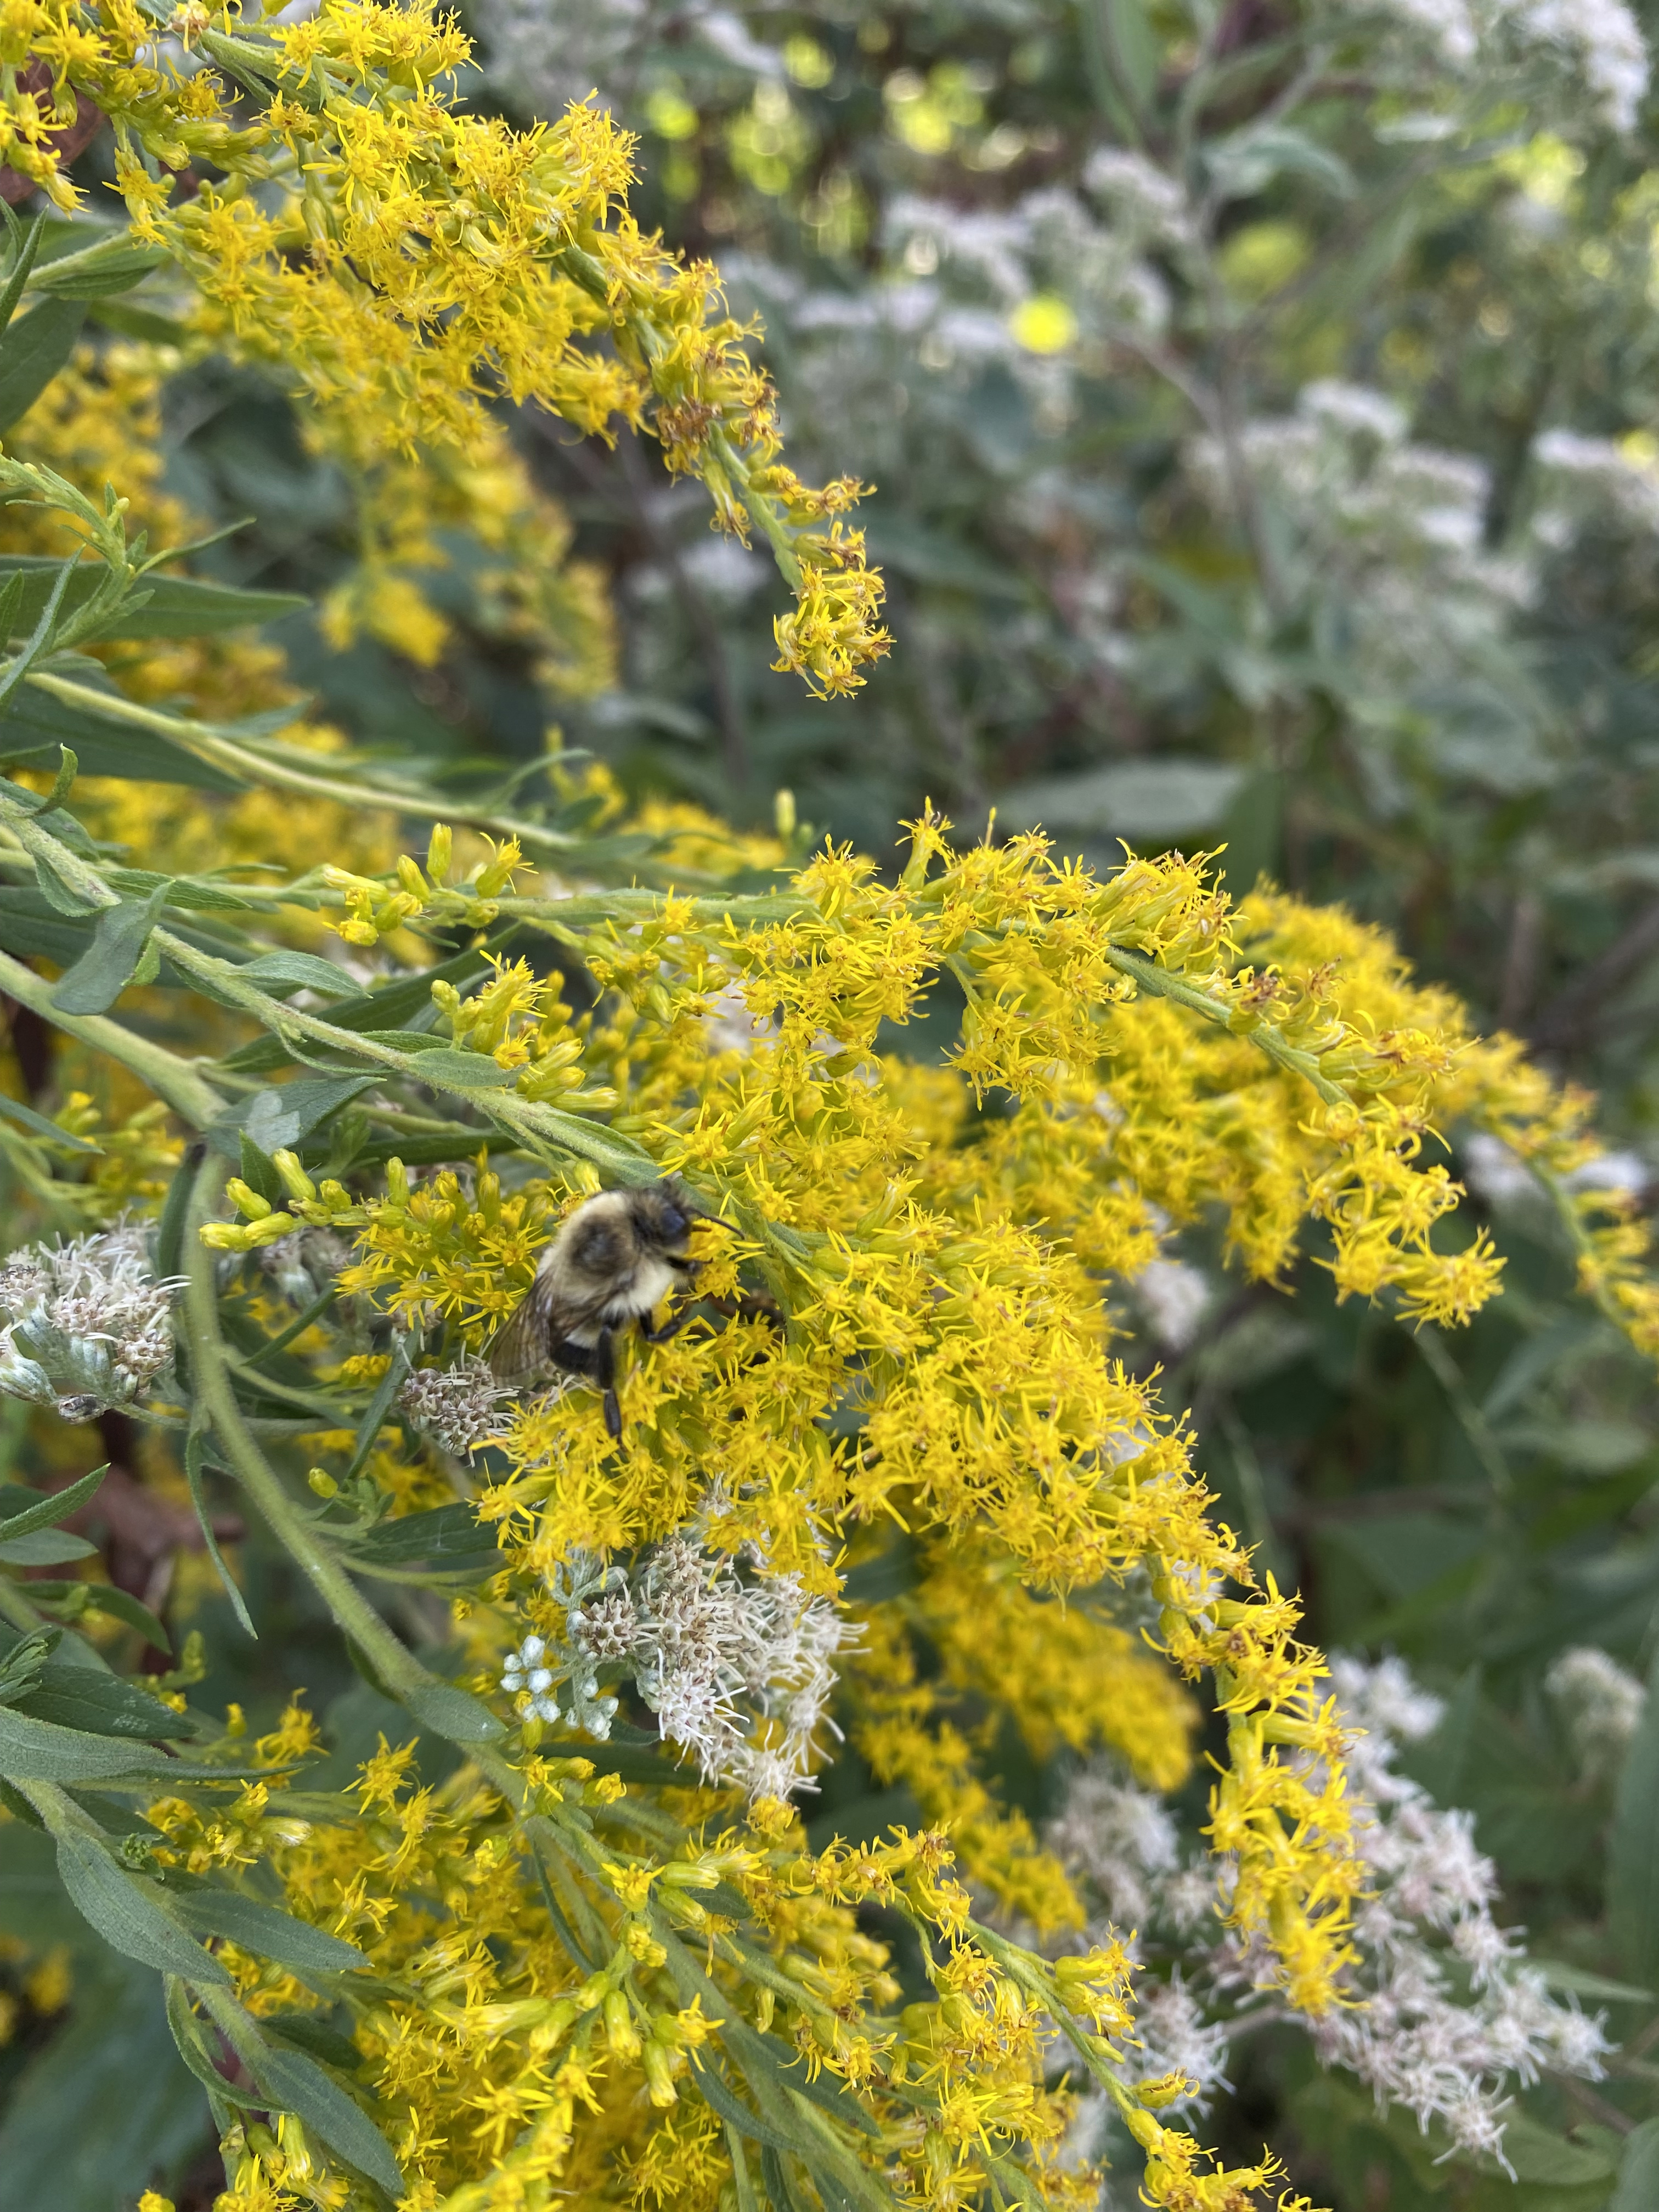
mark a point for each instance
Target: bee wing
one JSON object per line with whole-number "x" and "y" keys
{"x": 520, "y": 1345}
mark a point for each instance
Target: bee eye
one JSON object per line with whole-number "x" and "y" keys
{"x": 673, "y": 1222}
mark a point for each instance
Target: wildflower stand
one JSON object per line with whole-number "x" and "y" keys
{"x": 572, "y": 1919}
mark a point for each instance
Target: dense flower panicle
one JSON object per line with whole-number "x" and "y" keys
{"x": 1154, "y": 1052}
{"x": 1600, "y": 1704}
{"x": 89, "y": 1327}
{"x": 404, "y": 262}
{"x": 736, "y": 1669}
{"x": 1440, "y": 2014}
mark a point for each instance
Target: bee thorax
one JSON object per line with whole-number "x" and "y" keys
{"x": 650, "y": 1284}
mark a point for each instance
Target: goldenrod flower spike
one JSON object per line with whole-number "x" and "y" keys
{"x": 403, "y": 263}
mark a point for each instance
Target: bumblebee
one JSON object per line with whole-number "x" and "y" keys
{"x": 613, "y": 1261}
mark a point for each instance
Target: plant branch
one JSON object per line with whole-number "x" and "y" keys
{"x": 170, "y": 1078}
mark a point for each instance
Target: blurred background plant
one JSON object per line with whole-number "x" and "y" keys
{"x": 1261, "y": 403}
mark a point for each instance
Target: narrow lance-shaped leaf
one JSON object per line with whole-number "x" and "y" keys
{"x": 123, "y": 1908}
{"x": 112, "y": 960}
{"x": 58, "y": 1507}
{"x": 295, "y": 2083}
{"x": 32, "y": 351}
{"x": 195, "y": 1469}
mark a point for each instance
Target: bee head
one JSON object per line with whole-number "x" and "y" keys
{"x": 663, "y": 1215}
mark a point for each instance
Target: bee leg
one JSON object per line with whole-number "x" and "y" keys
{"x": 605, "y": 1374}
{"x": 670, "y": 1327}
{"x": 750, "y": 1305}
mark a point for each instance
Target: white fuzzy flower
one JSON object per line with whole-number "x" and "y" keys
{"x": 1497, "y": 1173}
{"x": 1172, "y": 2035}
{"x": 1174, "y": 1298}
{"x": 528, "y": 1675}
{"x": 737, "y": 1669}
{"x": 1118, "y": 1837}
{"x": 90, "y": 1325}
{"x": 1600, "y": 1704}
{"x": 454, "y": 1406}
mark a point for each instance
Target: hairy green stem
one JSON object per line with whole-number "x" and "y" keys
{"x": 171, "y": 1078}
{"x": 396, "y": 1667}
{"x": 263, "y": 766}
{"x": 535, "y": 1124}
{"x": 1262, "y": 1035}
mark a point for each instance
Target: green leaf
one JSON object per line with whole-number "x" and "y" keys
{"x": 30, "y": 925}
{"x": 298, "y": 2084}
{"x": 718, "y": 2094}
{"x": 260, "y": 1171}
{"x": 184, "y": 607}
{"x": 1540, "y": 2156}
{"x": 196, "y": 2046}
{"x": 37, "y": 1124}
{"x": 32, "y": 351}
{"x": 170, "y": 1230}
{"x": 114, "y": 1604}
{"x": 742, "y": 2184}
{"x": 123, "y": 1908}
{"x": 195, "y": 1459}
{"x": 1151, "y": 800}
{"x": 449, "y": 1536}
{"x": 1248, "y": 162}
{"x": 272, "y": 971}
{"x": 403, "y": 1000}
{"x": 1632, "y": 1888}
{"x": 1577, "y": 1983}
{"x": 780, "y": 2196}
{"x": 22, "y": 260}
{"x": 295, "y": 2083}
{"x": 308, "y": 2032}
{"x": 102, "y": 1705}
{"x": 106, "y": 966}
{"x": 451, "y": 1712}
{"x": 60, "y": 895}
{"x": 278, "y": 1118}
{"x": 377, "y": 1410}
{"x": 47, "y": 1547}
{"x": 25, "y": 1661}
{"x": 265, "y": 1929}
{"x": 44, "y": 1511}
{"x": 33, "y": 722}
{"x": 470, "y": 1071}
{"x": 1638, "y": 2171}
{"x": 113, "y": 265}
{"x": 33, "y": 1750}
{"x": 197, "y": 893}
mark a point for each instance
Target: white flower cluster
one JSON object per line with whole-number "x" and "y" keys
{"x": 1174, "y": 1297}
{"x": 455, "y": 1406}
{"x": 1600, "y": 1705}
{"x": 545, "y": 53}
{"x": 1413, "y": 2042}
{"x": 1596, "y": 474}
{"x": 1424, "y": 1934}
{"x": 736, "y": 1667}
{"x": 89, "y": 1327}
{"x": 1602, "y": 36}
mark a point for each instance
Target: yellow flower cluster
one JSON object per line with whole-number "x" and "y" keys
{"x": 404, "y": 261}
{"x": 902, "y": 1347}
{"x": 941, "y": 1279}
{"x": 410, "y": 513}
